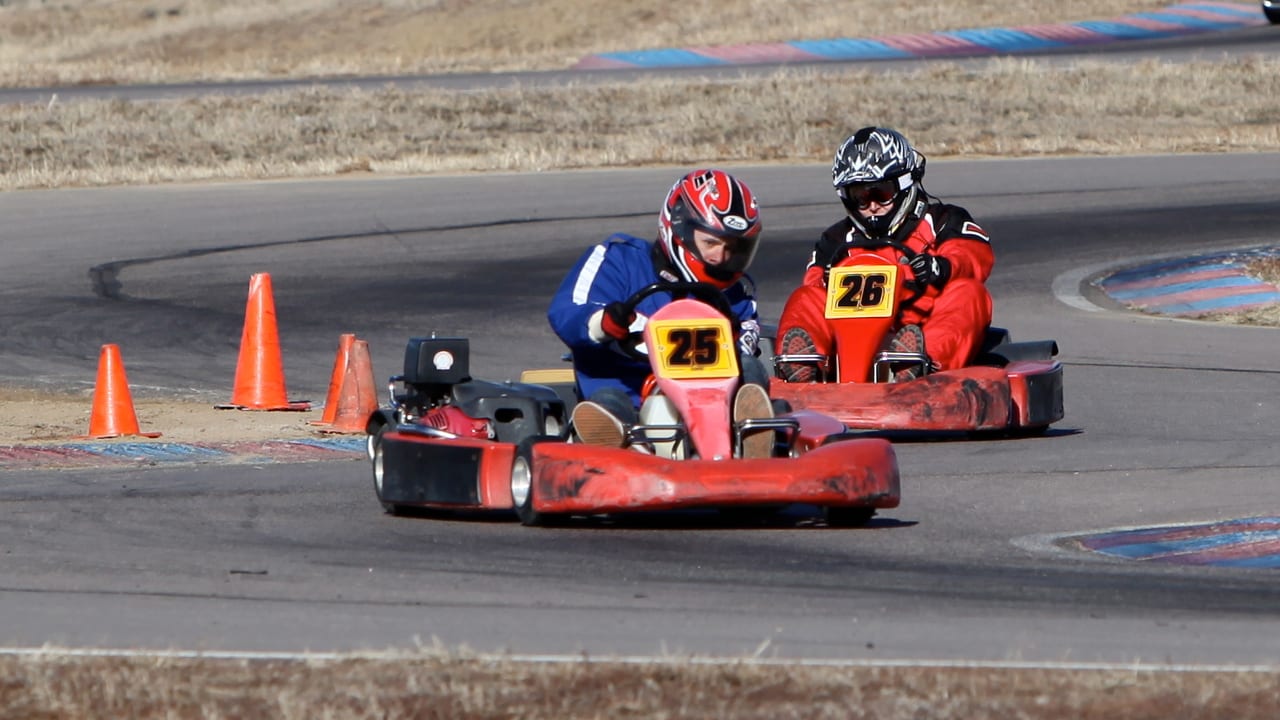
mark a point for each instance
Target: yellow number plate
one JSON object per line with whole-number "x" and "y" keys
{"x": 861, "y": 291}
{"x": 694, "y": 349}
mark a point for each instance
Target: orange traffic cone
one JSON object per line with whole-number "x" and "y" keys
{"x": 259, "y": 381}
{"x": 335, "y": 379}
{"x": 358, "y": 398}
{"x": 113, "y": 413}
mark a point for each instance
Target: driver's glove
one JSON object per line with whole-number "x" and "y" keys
{"x": 749, "y": 338}
{"x": 930, "y": 269}
{"x": 616, "y": 321}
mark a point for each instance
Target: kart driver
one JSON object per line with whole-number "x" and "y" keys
{"x": 877, "y": 176}
{"x": 708, "y": 231}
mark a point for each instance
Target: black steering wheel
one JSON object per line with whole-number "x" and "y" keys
{"x": 709, "y": 294}
{"x": 917, "y": 289}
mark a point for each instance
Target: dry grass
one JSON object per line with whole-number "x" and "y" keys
{"x": 1017, "y": 107}
{"x": 443, "y": 687}
{"x": 78, "y": 41}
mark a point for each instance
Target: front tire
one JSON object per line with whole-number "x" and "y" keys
{"x": 523, "y": 491}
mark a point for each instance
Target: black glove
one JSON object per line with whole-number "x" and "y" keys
{"x": 616, "y": 322}
{"x": 932, "y": 270}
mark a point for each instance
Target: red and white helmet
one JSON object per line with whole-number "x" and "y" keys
{"x": 714, "y": 202}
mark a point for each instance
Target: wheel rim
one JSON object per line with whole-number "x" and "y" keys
{"x": 521, "y": 479}
{"x": 376, "y": 449}
{"x": 370, "y": 446}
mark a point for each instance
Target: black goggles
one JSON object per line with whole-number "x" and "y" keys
{"x": 881, "y": 192}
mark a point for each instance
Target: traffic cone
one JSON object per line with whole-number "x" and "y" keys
{"x": 259, "y": 383}
{"x": 335, "y": 379}
{"x": 358, "y": 398}
{"x": 113, "y": 414}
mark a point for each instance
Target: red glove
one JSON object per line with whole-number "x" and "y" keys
{"x": 616, "y": 321}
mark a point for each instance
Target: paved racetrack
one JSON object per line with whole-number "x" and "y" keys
{"x": 1167, "y": 422}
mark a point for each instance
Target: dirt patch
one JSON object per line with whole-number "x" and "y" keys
{"x": 34, "y": 417}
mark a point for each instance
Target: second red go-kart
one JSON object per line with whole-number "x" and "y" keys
{"x": 1011, "y": 387}
{"x": 455, "y": 445}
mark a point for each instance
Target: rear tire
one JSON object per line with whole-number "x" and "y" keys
{"x": 374, "y": 444}
{"x": 523, "y": 492}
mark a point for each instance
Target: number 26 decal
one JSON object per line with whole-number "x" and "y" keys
{"x": 861, "y": 291}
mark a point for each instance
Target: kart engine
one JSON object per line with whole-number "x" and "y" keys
{"x": 452, "y": 420}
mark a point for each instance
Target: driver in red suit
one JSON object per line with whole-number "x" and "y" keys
{"x": 877, "y": 175}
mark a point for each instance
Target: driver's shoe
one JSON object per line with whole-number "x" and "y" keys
{"x": 752, "y": 403}
{"x": 909, "y": 339}
{"x": 595, "y": 425}
{"x": 797, "y": 341}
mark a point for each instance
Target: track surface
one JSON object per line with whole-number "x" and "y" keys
{"x": 1167, "y": 421}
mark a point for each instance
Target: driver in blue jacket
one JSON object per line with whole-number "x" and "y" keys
{"x": 708, "y": 231}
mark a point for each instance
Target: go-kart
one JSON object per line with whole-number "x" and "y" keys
{"x": 1011, "y": 387}
{"x": 448, "y": 442}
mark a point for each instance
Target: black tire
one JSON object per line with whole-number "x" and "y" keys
{"x": 849, "y": 516}
{"x": 1272, "y": 13}
{"x": 374, "y": 446}
{"x": 522, "y": 489}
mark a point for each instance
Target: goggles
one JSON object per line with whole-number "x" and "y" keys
{"x": 881, "y": 192}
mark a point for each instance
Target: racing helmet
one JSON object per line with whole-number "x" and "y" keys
{"x": 714, "y": 202}
{"x": 878, "y": 164}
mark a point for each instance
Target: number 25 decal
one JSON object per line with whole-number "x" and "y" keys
{"x": 693, "y": 346}
{"x": 701, "y": 349}
{"x": 861, "y": 291}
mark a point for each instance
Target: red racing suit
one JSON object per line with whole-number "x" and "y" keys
{"x": 953, "y": 318}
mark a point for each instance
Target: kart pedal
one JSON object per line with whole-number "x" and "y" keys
{"x": 752, "y": 403}
{"x": 597, "y": 426}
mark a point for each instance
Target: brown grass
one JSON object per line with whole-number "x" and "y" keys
{"x": 405, "y": 686}
{"x": 1016, "y": 108}
{"x": 77, "y": 41}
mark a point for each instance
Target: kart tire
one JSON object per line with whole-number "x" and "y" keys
{"x": 522, "y": 488}
{"x": 849, "y": 516}
{"x": 374, "y": 445}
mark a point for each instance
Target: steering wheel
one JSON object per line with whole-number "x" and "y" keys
{"x": 917, "y": 289}
{"x": 709, "y": 294}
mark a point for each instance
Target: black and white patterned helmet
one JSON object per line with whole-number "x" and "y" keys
{"x": 879, "y": 163}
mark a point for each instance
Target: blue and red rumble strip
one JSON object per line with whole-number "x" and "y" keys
{"x": 1244, "y": 543}
{"x": 1194, "y": 286}
{"x": 1182, "y": 19}
{"x": 107, "y": 454}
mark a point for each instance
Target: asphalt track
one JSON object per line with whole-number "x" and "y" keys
{"x": 998, "y": 552}
{"x": 1168, "y": 422}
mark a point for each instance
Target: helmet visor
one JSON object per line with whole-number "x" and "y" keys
{"x": 882, "y": 192}
{"x": 724, "y": 254}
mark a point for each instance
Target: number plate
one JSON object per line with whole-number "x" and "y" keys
{"x": 694, "y": 349}
{"x": 861, "y": 291}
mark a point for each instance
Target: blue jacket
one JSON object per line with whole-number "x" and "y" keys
{"x": 613, "y": 271}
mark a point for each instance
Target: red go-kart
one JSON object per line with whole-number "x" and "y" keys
{"x": 1011, "y": 387}
{"x": 459, "y": 445}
